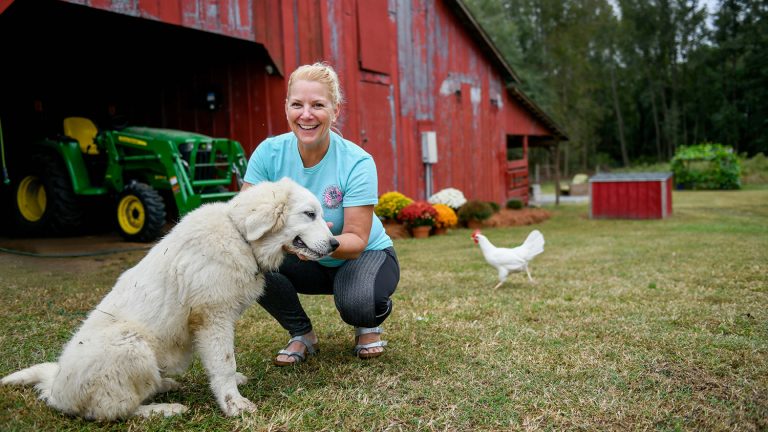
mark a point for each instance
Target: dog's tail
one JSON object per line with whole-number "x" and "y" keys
{"x": 40, "y": 375}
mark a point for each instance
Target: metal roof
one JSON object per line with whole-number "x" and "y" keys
{"x": 627, "y": 177}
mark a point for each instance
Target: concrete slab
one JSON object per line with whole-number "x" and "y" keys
{"x": 547, "y": 199}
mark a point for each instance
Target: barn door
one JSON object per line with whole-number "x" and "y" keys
{"x": 376, "y": 132}
{"x": 376, "y": 105}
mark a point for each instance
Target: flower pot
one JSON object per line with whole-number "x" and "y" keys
{"x": 421, "y": 231}
{"x": 440, "y": 231}
{"x": 395, "y": 229}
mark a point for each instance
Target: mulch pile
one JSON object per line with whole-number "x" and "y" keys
{"x": 527, "y": 216}
{"x": 504, "y": 218}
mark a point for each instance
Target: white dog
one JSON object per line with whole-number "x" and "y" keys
{"x": 183, "y": 297}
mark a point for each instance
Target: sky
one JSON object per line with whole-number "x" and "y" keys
{"x": 711, "y": 5}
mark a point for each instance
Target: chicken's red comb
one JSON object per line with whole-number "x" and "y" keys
{"x": 477, "y": 231}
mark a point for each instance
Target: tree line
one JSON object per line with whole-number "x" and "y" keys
{"x": 632, "y": 80}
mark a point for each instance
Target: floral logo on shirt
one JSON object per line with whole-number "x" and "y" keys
{"x": 332, "y": 197}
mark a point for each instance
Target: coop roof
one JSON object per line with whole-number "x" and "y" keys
{"x": 638, "y": 176}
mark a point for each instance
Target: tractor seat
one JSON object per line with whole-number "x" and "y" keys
{"x": 84, "y": 131}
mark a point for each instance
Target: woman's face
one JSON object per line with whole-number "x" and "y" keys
{"x": 310, "y": 113}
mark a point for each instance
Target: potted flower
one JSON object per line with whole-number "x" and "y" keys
{"x": 419, "y": 216}
{"x": 446, "y": 218}
{"x": 474, "y": 212}
{"x": 451, "y": 197}
{"x": 390, "y": 205}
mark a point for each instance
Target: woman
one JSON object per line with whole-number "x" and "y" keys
{"x": 363, "y": 272}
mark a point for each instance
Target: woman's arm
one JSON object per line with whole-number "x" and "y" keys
{"x": 357, "y": 228}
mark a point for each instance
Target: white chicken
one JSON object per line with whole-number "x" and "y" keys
{"x": 508, "y": 260}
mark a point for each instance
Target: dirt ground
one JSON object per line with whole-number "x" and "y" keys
{"x": 65, "y": 254}
{"x": 52, "y": 251}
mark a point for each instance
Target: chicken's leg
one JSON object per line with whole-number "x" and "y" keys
{"x": 529, "y": 274}
{"x": 503, "y": 273}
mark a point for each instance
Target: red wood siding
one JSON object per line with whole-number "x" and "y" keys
{"x": 374, "y": 37}
{"x": 232, "y": 18}
{"x": 517, "y": 180}
{"x": 4, "y": 5}
{"x": 630, "y": 199}
{"x": 375, "y": 127}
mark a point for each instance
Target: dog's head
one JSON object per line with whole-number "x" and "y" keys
{"x": 284, "y": 214}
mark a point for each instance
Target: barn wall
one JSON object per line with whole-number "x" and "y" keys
{"x": 421, "y": 71}
{"x": 448, "y": 85}
{"x": 406, "y": 67}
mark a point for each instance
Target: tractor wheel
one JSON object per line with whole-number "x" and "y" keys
{"x": 45, "y": 201}
{"x": 140, "y": 213}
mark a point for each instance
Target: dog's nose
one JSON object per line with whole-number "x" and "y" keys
{"x": 334, "y": 244}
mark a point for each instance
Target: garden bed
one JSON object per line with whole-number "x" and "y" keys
{"x": 503, "y": 218}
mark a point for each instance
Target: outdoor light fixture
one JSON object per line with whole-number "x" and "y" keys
{"x": 212, "y": 100}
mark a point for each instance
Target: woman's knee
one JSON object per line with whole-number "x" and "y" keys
{"x": 364, "y": 287}
{"x": 364, "y": 314}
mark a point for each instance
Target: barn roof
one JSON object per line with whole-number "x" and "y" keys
{"x": 508, "y": 73}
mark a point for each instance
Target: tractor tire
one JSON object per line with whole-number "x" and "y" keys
{"x": 45, "y": 203}
{"x": 140, "y": 213}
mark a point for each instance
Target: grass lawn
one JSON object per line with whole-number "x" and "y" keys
{"x": 631, "y": 325}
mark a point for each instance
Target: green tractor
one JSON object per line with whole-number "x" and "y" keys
{"x": 139, "y": 172}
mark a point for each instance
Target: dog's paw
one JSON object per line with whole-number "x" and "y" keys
{"x": 165, "y": 409}
{"x": 168, "y": 384}
{"x": 236, "y": 405}
{"x": 240, "y": 379}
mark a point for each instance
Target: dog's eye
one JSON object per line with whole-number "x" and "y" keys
{"x": 310, "y": 214}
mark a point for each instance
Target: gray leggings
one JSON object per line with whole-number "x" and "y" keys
{"x": 361, "y": 289}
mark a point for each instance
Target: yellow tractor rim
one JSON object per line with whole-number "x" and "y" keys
{"x": 131, "y": 214}
{"x": 31, "y": 199}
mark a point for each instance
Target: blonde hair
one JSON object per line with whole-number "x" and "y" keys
{"x": 322, "y": 73}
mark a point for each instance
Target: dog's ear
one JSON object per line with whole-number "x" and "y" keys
{"x": 263, "y": 220}
{"x": 267, "y": 216}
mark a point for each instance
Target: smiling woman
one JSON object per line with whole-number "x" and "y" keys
{"x": 310, "y": 115}
{"x": 363, "y": 272}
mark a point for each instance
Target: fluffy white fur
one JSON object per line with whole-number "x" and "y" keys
{"x": 183, "y": 297}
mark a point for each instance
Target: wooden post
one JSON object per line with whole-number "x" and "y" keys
{"x": 557, "y": 171}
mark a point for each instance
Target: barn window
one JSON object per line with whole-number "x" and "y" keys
{"x": 515, "y": 148}
{"x": 373, "y": 35}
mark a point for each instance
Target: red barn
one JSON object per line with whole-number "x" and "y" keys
{"x": 412, "y": 72}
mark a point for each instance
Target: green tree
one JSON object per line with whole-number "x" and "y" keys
{"x": 555, "y": 50}
{"x": 632, "y": 80}
{"x": 740, "y": 85}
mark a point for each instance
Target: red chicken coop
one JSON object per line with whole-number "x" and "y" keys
{"x": 630, "y": 195}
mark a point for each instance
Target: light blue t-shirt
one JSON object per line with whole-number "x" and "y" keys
{"x": 346, "y": 177}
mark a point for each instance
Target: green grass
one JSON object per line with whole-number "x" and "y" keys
{"x": 631, "y": 325}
